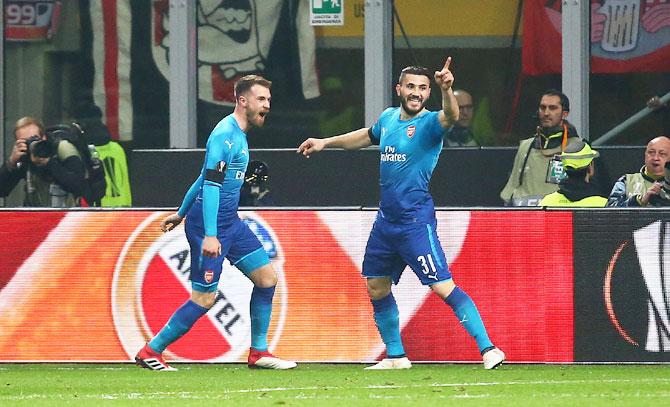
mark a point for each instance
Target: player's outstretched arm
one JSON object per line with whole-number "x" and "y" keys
{"x": 445, "y": 80}
{"x": 353, "y": 140}
{"x": 171, "y": 221}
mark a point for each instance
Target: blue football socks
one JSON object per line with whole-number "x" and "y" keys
{"x": 180, "y": 322}
{"x": 387, "y": 319}
{"x": 260, "y": 309}
{"x": 468, "y": 315}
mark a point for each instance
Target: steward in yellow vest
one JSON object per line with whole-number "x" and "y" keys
{"x": 650, "y": 185}
{"x": 577, "y": 190}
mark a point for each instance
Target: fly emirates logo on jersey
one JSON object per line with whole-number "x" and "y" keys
{"x": 151, "y": 281}
{"x": 391, "y": 155}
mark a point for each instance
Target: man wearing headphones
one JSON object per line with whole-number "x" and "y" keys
{"x": 536, "y": 171}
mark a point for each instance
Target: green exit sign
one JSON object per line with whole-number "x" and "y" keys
{"x": 326, "y": 6}
{"x": 327, "y": 12}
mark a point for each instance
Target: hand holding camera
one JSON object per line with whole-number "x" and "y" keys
{"x": 34, "y": 149}
{"x": 19, "y": 151}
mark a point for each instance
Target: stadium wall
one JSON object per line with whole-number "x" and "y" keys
{"x": 464, "y": 177}
{"x": 552, "y": 286}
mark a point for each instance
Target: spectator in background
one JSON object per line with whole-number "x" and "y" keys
{"x": 644, "y": 187}
{"x": 255, "y": 190}
{"x": 460, "y": 134}
{"x": 536, "y": 173}
{"x": 111, "y": 153}
{"x": 53, "y": 171}
{"x": 473, "y": 127}
{"x": 578, "y": 188}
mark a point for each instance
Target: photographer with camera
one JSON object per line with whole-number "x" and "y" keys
{"x": 651, "y": 185}
{"x": 53, "y": 170}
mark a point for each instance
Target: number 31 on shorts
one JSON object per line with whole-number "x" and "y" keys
{"x": 428, "y": 266}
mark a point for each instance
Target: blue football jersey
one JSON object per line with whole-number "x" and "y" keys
{"x": 409, "y": 150}
{"x": 228, "y": 153}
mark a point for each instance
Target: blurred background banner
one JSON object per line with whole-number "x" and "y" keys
{"x": 622, "y": 286}
{"x": 552, "y": 286}
{"x": 233, "y": 41}
{"x": 31, "y": 20}
{"x": 626, "y": 36}
{"x": 102, "y": 283}
{"x": 453, "y": 18}
{"x": 111, "y": 51}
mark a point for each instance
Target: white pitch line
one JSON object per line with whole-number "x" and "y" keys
{"x": 88, "y": 368}
{"x": 227, "y": 393}
{"x": 325, "y": 396}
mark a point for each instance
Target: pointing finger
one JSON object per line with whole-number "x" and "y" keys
{"x": 446, "y": 64}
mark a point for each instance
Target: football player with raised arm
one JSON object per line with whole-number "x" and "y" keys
{"x": 214, "y": 232}
{"x": 404, "y": 233}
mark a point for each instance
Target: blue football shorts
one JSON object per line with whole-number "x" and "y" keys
{"x": 391, "y": 247}
{"x": 238, "y": 244}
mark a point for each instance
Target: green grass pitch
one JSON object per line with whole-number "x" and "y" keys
{"x": 336, "y": 385}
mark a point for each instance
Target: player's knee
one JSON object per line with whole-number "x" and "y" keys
{"x": 205, "y": 300}
{"x": 378, "y": 288}
{"x": 443, "y": 288}
{"x": 264, "y": 277}
{"x": 267, "y": 281}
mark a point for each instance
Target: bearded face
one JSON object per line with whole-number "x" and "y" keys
{"x": 414, "y": 91}
{"x": 551, "y": 111}
{"x": 257, "y": 105}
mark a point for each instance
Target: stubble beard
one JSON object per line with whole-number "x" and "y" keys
{"x": 410, "y": 111}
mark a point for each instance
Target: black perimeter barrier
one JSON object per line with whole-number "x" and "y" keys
{"x": 468, "y": 177}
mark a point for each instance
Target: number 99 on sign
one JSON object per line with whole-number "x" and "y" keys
{"x": 24, "y": 13}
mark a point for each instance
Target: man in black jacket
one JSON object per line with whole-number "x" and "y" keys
{"x": 53, "y": 170}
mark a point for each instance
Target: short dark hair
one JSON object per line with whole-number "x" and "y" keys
{"x": 414, "y": 70}
{"x": 565, "y": 102}
{"x": 246, "y": 82}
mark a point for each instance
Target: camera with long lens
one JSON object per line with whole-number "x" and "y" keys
{"x": 38, "y": 147}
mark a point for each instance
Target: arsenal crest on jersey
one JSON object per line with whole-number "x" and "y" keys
{"x": 209, "y": 276}
{"x": 410, "y": 130}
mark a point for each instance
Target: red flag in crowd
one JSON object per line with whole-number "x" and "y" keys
{"x": 626, "y": 36}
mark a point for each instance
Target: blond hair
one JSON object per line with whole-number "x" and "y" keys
{"x": 27, "y": 121}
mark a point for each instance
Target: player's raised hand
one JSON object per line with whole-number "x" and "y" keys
{"x": 170, "y": 222}
{"x": 311, "y": 145}
{"x": 444, "y": 78}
